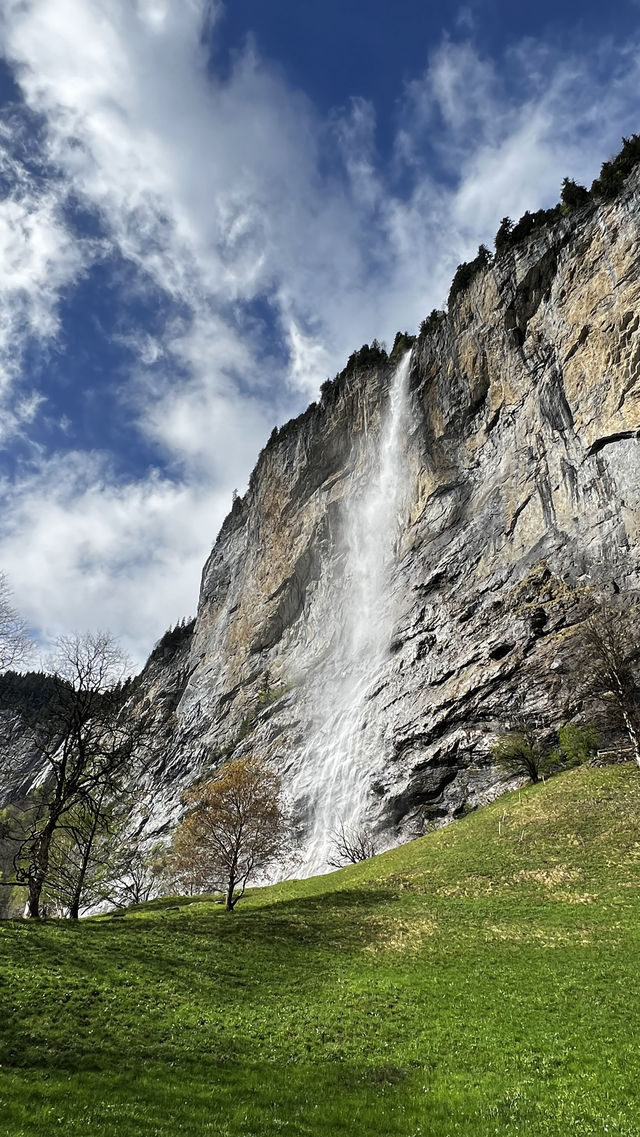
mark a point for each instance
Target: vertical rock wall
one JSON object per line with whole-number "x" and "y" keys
{"x": 524, "y": 455}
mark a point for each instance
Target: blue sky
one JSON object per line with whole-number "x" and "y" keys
{"x": 207, "y": 207}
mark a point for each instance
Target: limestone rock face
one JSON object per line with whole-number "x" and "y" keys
{"x": 522, "y": 468}
{"x": 524, "y": 463}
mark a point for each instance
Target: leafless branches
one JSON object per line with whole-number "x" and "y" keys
{"x": 85, "y": 746}
{"x": 15, "y": 643}
{"x": 612, "y": 639}
{"x": 350, "y": 844}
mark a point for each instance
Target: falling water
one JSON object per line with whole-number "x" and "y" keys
{"x": 343, "y": 747}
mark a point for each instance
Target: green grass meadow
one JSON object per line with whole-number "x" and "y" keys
{"x": 484, "y": 979}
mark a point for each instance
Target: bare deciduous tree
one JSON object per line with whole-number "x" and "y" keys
{"x": 612, "y": 640}
{"x": 73, "y": 872}
{"x": 137, "y": 874}
{"x": 236, "y": 827}
{"x": 350, "y": 844}
{"x": 15, "y": 643}
{"x": 91, "y": 849}
{"x": 85, "y": 744}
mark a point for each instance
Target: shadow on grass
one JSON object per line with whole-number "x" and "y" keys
{"x": 171, "y": 981}
{"x": 253, "y": 1100}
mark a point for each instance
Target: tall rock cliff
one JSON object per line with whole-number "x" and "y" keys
{"x": 410, "y": 561}
{"x": 520, "y": 472}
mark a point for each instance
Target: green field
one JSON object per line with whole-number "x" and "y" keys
{"x": 472, "y": 982}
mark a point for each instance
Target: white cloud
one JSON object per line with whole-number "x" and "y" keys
{"x": 510, "y": 151}
{"x": 461, "y": 87}
{"x": 227, "y": 196}
{"x": 100, "y": 554}
{"x": 310, "y": 360}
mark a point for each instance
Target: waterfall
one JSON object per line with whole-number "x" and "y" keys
{"x": 343, "y": 747}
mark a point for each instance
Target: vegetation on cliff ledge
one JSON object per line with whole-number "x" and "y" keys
{"x": 607, "y": 186}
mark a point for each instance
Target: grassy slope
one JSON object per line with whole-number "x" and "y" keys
{"x": 467, "y": 983}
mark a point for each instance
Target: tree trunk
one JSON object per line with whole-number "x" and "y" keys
{"x": 38, "y": 874}
{"x": 32, "y": 907}
{"x": 229, "y": 901}
{"x": 74, "y": 907}
{"x": 634, "y": 734}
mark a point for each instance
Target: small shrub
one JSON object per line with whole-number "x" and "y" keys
{"x": 402, "y": 343}
{"x": 265, "y": 694}
{"x": 467, "y": 271}
{"x": 577, "y": 744}
{"x": 246, "y": 726}
{"x": 520, "y": 752}
{"x": 573, "y": 195}
{"x": 351, "y": 844}
{"x": 432, "y": 322}
{"x": 614, "y": 172}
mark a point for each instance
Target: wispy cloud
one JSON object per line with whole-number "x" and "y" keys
{"x": 38, "y": 259}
